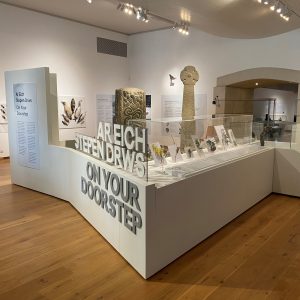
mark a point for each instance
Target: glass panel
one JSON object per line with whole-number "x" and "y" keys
{"x": 182, "y": 148}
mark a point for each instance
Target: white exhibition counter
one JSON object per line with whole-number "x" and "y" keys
{"x": 149, "y": 225}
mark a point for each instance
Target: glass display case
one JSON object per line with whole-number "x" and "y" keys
{"x": 279, "y": 134}
{"x": 181, "y": 148}
{"x": 295, "y": 137}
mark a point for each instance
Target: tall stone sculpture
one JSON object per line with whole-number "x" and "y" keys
{"x": 130, "y": 104}
{"x": 189, "y": 76}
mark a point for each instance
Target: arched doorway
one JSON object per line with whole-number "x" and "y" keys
{"x": 236, "y": 93}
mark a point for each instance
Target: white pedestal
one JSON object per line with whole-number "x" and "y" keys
{"x": 175, "y": 217}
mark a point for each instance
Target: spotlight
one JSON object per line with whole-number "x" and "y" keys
{"x": 276, "y": 6}
{"x": 127, "y": 8}
{"x": 286, "y": 17}
{"x": 141, "y": 14}
{"x": 130, "y": 9}
{"x": 186, "y": 32}
{"x": 273, "y": 5}
{"x": 280, "y": 7}
{"x": 285, "y": 14}
{"x": 183, "y": 28}
{"x": 171, "y": 79}
{"x": 89, "y": 1}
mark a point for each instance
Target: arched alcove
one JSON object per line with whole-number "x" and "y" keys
{"x": 234, "y": 92}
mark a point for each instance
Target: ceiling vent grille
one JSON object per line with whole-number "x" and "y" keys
{"x": 111, "y": 47}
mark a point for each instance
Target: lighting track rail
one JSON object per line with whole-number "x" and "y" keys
{"x": 143, "y": 14}
{"x": 280, "y": 7}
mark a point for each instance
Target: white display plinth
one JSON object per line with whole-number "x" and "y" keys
{"x": 174, "y": 217}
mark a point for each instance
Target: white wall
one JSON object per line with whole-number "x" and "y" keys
{"x": 286, "y": 103}
{"x": 153, "y": 55}
{"x": 29, "y": 40}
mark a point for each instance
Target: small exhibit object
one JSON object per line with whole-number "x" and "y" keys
{"x": 199, "y": 145}
{"x": 175, "y": 153}
{"x": 158, "y": 153}
{"x": 218, "y": 130}
{"x": 225, "y": 139}
{"x": 232, "y": 137}
{"x": 130, "y": 104}
{"x": 148, "y": 107}
{"x": 266, "y": 130}
{"x": 71, "y": 112}
{"x": 211, "y": 144}
{"x": 210, "y": 131}
{"x": 189, "y": 152}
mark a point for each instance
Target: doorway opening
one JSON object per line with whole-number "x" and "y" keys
{"x": 271, "y": 95}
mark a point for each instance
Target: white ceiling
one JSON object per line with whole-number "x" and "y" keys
{"x": 228, "y": 18}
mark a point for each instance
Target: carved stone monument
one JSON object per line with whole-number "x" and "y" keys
{"x": 189, "y": 76}
{"x": 130, "y": 104}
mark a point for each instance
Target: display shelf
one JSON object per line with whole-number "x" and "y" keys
{"x": 174, "y": 172}
{"x": 180, "y": 148}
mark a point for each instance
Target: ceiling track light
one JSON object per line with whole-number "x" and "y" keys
{"x": 276, "y": 6}
{"x": 286, "y": 13}
{"x": 182, "y": 28}
{"x": 127, "y": 8}
{"x": 143, "y": 15}
{"x": 280, "y": 7}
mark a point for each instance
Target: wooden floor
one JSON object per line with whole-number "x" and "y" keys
{"x": 48, "y": 251}
{"x": 4, "y": 172}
